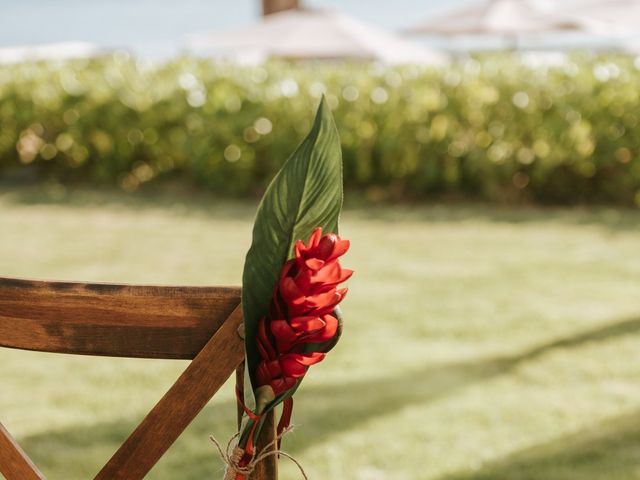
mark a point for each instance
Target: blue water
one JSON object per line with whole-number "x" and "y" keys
{"x": 157, "y": 28}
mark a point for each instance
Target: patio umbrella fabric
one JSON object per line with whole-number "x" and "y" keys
{"x": 609, "y": 17}
{"x": 314, "y": 34}
{"x": 501, "y": 17}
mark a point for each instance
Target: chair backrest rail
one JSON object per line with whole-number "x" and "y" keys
{"x": 112, "y": 320}
{"x": 199, "y": 323}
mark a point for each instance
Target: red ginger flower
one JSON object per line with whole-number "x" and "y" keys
{"x": 301, "y": 313}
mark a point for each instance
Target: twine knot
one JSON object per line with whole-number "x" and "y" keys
{"x": 233, "y": 458}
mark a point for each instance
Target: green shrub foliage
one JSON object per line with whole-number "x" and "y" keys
{"x": 493, "y": 128}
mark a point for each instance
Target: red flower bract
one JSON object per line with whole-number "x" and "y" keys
{"x": 301, "y": 312}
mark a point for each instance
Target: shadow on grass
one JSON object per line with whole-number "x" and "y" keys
{"x": 609, "y": 450}
{"x": 599, "y": 334}
{"x": 166, "y": 197}
{"x": 80, "y": 452}
{"x": 381, "y": 396}
{"x": 357, "y": 401}
{"x": 612, "y": 218}
{"x": 174, "y": 196}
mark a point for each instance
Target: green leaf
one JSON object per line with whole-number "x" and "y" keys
{"x": 305, "y": 194}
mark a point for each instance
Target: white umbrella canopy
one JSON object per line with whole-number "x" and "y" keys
{"x": 314, "y": 34}
{"x": 609, "y": 17}
{"x": 501, "y": 17}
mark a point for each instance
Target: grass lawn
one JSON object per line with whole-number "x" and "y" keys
{"x": 480, "y": 343}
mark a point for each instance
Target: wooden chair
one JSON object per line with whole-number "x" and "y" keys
{"x": 197, "y": 323}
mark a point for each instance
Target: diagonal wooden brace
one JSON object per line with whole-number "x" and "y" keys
{"x": 16, "y": 465}
{"x": 179, "y": 406}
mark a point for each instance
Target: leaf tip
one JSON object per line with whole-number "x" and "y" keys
{"x": 323, "y": 108}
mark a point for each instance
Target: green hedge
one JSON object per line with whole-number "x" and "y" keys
{"x": 489, "y": 128}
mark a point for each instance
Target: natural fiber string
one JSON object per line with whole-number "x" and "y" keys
{"x": 232, "y": 459}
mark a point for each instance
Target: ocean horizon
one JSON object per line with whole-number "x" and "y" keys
{"x": 158, "y": 28}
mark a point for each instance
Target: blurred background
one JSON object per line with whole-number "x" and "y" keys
{"x": 492, "y": 177}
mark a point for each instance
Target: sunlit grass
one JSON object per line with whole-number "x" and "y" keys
{"x": 479, "y": 343}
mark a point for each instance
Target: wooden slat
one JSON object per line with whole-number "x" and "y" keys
{"x": 113, "y": 320}
{"x": 179, "y": 406}
{"x": 240, "y": 393}
{"x": 14, "y": 463}
{"x": 267, "y": 469}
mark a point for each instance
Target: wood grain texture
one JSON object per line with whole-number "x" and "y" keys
{"x": 180, "y": 405}
{"x": 240, "y": 393}
{"x": 199, "y": 323}
{"x": 113, "y": 320}
{"x": 14, "y": 463}
{"x": 267, "y": 469}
